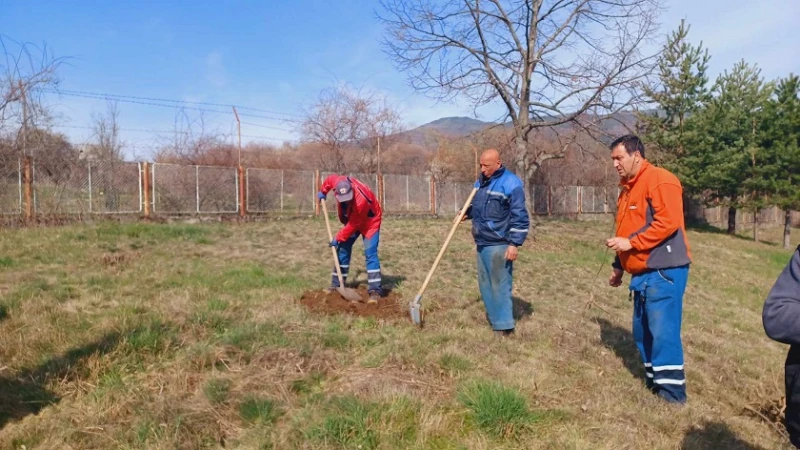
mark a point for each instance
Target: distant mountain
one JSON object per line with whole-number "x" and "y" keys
{"x": 455, "y": 126}
{"x": 426, "y": 135}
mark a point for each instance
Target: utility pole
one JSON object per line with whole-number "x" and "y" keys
{"x": 379, "y": 178}
{"x": 24, "y": 118}
{"x": 239, "y": 132}
{"x": 379, "y": 154}
{"x": 241, "y": 174}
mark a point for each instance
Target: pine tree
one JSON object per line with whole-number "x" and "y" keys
{"x": 778, "y": 175}
{"x": 728, "y": 154}
{"x": 680, "y": 92}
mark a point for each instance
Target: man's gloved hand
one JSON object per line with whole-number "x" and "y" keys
{"x": 321, "y": 196}
{"x": 334, "y": 243}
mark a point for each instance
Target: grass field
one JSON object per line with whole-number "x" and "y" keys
{"x": 165, "y": 336}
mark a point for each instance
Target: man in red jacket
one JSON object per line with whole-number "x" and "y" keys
{"x": 360, "y": 213}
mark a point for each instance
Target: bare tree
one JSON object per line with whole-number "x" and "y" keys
{"x": 453, "y": 160}
{"x": 349, "y": 124}
{"x": 549, "y": 62}
{"x": 107, "y": 145}
{"x": 26, "y": 71}
{"x": 191, "y": 143}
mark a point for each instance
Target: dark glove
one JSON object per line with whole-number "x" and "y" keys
{"x": 321, "y": 196}
{"x": 334, "y": 243}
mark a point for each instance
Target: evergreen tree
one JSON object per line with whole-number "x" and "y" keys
{"x": 680, "y": 92}
{"x": 725, "y": 157}
{"x": 778, "y": 174}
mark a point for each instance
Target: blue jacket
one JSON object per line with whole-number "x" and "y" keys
{"x": 498, "y": 212}
{"x": 781, "y": 313}
{"x": 781, "y": 318}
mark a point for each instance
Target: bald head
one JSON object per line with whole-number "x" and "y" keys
{"x": 490, "y": 162}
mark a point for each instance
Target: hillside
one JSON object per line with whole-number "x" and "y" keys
{"x": 425, "y": 135}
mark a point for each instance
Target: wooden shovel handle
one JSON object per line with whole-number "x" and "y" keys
{"x": 330, "y": 239}
{"x": 447, "y": 241}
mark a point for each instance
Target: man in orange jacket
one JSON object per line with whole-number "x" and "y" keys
{"x": 651, "y": 245}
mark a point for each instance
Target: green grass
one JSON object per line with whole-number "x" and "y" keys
{"x": 262, "y": 411}
{"x": 139, "y": 335}
{"x": 454, "y": 364}
{"x": 249, "y": 335}
{"x": 312, "y": 383}
{"x": 349, "y": 422}
{"x": 217, "y": 390}
{"x": 502, "y": 411}
{"x": 153, "y": 336}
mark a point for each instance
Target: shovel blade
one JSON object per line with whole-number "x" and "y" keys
{"x": 349, "y": 294}
{"x": 415, "y": 312}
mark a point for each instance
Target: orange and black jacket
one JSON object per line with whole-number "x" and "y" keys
{"x": 650, "y": 214}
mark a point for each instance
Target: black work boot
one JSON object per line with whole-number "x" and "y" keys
{"x": 504, "y": 333}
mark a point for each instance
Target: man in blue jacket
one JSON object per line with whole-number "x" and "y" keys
{"x": 499, "y": 225}
{"x": 781, "y": 317}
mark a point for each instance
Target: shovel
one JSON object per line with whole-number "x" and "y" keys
{"x": 414, "y": 306}
{"x": 347, "y": 293}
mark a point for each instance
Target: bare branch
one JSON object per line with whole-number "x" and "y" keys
{"x": 346, "y": 123}
{"x": 549, "y": 62}
{"x": 25, "y": 71}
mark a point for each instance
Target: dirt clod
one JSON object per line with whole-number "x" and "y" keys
{"x": 390, "y": 306}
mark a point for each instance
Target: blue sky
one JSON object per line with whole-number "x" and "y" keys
{"x": 277, "y": 55}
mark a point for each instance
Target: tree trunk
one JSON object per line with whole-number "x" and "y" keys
{"x": 731, "y": 220}
{"x": 755, "y": 224}
{"x": 521, "y": 169}
{"x": 787, "y": 229}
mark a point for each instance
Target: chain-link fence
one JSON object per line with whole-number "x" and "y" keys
{"x": 406, "y": 193}
{"x": 330, "y": 200}
{"x": 540, "y": 200}
{"x": 63, "y": 186}
{"x": 280, "y": 191}
{"x": 451, "y": 195}
{"x": 217, "y": 189}
{"x": 570, "y": 200}
{"x": 599, "y": 199}
{"x": 81, "y": 187}
{"x": 264, "y": 190}
{"x": 174, "y": 188}
{"x": 115, "y": 187}
{"x": 298, "y": 193}
{"x": 194, "y": 189}
{"x": 10, "y": 186}
{"x": 60, "y": 187}
{"x": 718, "y": 215}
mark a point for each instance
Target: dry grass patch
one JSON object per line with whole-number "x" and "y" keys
{"x": 151, "y": 336}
